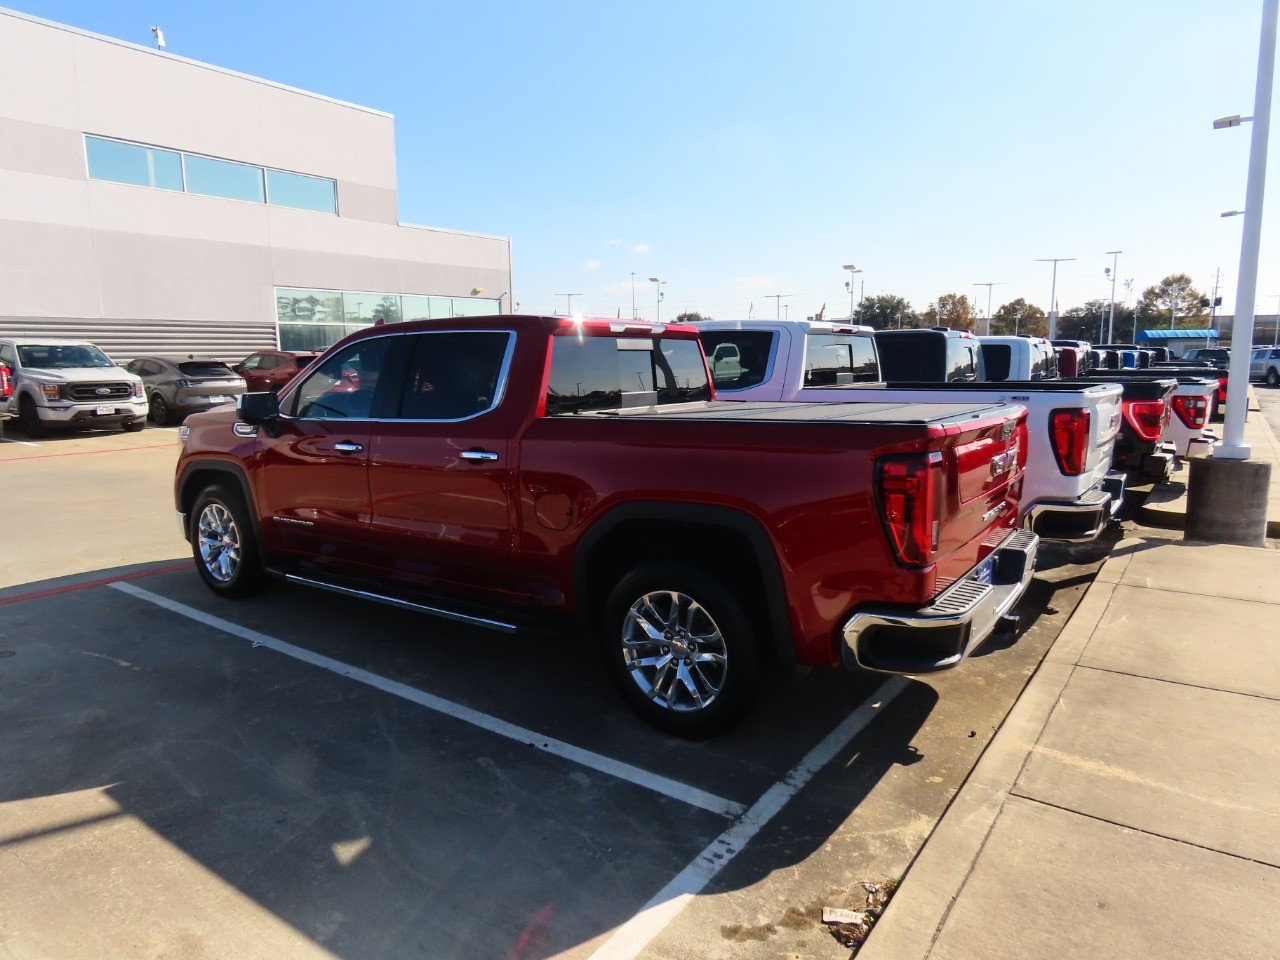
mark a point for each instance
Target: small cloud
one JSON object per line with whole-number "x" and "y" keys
{"x": 641, "y": 248}
{"x": 615, "y": 243}
{"x": 756, "y": 283}
{"x": 591, "y": 265}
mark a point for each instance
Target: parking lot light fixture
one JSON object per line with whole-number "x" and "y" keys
{"x": 658, "y": 299}
{"x": 849, "y": 284}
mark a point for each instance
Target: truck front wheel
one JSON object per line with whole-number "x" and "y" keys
{"x": 223, "y": 544}
{"x": 681, "y": 650}
{"x": 29, "y": 419}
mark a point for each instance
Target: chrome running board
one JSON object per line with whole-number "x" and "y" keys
{"x": 404, "y": 604}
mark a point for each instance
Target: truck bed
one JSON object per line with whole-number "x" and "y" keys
{"x": 854, "y": 412}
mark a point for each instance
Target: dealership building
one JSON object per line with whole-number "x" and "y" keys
{"x": 154, "y": 204}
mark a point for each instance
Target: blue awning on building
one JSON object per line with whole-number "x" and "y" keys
{"x": 1177, "y": 335}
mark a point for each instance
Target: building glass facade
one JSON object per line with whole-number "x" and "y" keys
{"x": 317, "y": 319}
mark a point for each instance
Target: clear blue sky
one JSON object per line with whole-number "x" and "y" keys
{"x": 739, "y": 150}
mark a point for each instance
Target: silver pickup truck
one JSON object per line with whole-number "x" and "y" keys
{"x": 69, "y": 384}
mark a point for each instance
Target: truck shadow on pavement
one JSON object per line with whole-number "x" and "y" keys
{"x": 149, "y": 759}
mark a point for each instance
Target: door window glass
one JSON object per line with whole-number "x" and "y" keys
{"x": 343, "y": 386}
{"x": 454, "y": 375}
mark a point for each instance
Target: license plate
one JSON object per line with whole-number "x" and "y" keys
{"x": 219, "y": 399}
{"x": 105, "y": 410}
{"x": 986, "y": 570}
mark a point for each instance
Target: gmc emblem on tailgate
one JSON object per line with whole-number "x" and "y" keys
{"x": 1001, "y": 464}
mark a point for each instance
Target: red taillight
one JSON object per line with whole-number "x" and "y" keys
{"x": 1069, "y": 432}
{"x": 911, "y": 497}
{"x": 1146, "y": 417}
{"x": 6, "y": 383}
{"x": 1193, "y": 411}
{"x": 1222, "y": 389}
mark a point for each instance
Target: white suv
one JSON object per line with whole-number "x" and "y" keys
{"x": 1264, "y": 366}
{"x": 69, "y": 384}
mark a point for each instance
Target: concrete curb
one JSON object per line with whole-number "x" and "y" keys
{"x": 916, "y": 915}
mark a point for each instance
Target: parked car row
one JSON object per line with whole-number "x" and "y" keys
{"x": 712, "y": 505}
{"x": 50, "y": 384}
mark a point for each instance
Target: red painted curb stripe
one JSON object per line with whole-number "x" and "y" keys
{"x": 71, "y": 588}
{"x": 89, "y": 453}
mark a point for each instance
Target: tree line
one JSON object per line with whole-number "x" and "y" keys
{"x": 1173, "y": 300}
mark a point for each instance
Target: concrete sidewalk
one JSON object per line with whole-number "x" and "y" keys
{"x": 1128, "y": 806}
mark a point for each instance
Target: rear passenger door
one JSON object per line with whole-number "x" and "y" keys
{"x": 441, "y": 470}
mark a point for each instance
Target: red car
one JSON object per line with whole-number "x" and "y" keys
{"x": 272, "y": 369}
{"x": 512, "y": 471}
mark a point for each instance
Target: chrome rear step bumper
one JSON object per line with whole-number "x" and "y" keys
{"x": 941, "y": 635}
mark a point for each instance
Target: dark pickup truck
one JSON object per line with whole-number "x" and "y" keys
{"x": 513, "y": 471}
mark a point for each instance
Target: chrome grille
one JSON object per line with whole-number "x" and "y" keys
{"x": 95, "y": 392}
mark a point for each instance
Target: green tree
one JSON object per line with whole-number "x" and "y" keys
{"x": 1018, "y": 316}
{"x": 691, "y": 316}
{"x": 951, "y": 310}
{"x": 1173, "y": 299}
{"x": 885, "y": 311}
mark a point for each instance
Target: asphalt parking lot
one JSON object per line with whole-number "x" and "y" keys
{"x": 304, "y": 775}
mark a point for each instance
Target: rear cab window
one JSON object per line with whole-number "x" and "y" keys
{"x": 962, "y": 359}
{"x": 606, "y": 373}
{"x": 834, "y": 360}
{"x": 739, "y": 358}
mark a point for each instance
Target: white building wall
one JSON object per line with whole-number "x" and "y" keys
{"x": 141, "y": 269}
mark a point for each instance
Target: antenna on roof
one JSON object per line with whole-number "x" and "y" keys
{"x": 159, "y": 34}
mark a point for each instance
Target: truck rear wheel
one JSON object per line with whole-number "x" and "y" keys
{"x": 681, "y": 649}
{"x": 224, "y": 546}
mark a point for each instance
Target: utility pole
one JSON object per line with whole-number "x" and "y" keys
{"x": 633, "y": 294}
{"x": 1053, "y": 294}
{"x": 777, "y": 304}
{"x": 568, "y": 302}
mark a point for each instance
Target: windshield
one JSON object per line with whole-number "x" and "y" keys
{"x": 62, "y": 356}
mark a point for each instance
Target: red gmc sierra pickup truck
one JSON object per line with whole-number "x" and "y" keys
{"x": 505, "y": 471}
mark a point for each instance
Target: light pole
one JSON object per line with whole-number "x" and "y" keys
{"x": 1053, "y": 293}
{"x": 1233, "y": 446}
{"x": 989, "y": 286}
{"x": 849, "y": 284}
{"x": 777, "y": 304}
{"x": 657, "y": 309}
{"x": 633, "y": 294}
{"x": 1111, "y": 320}
{"x": 568, "y": 302}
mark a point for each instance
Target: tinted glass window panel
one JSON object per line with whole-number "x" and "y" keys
{"x": 365, "y": 309}
{"x": 308, "y": 306}
{"x": 584, "y": 375}
{"x": 222, "y": 178}
{"x": 303, "y": 193}
{"x": 205, "y": 370}
{"x": 343, "y": 387}
{"x": 453, "y": 375}
{"x": 679, "y": 373}
{"x": 996, "y": 357}
{"x": 738, "y": 358}
{"x": 133, "y": 163}
{"x": 309, "y": 336}
{"x": 911, "y": 357}
{"x": 839, "y": 359}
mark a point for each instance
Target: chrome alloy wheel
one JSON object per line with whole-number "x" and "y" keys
{"x": 218, "y": 538}
{"x": 675, "y": 651}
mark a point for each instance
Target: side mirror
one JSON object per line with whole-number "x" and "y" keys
{"x": 258, "y": 408}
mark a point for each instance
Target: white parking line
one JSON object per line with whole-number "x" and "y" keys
{"x": 623, "y": 771}
{"x": 634, "y": 935}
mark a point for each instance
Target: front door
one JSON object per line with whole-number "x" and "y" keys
{"x": 315, "y": 459}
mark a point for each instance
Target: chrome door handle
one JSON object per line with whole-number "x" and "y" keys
{"x": 477, "y": 456}
{"x": 345, "y": 447}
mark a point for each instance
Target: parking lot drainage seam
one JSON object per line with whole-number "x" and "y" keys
{"x": 637, "y": 933}
{"x": 594, "y": 761}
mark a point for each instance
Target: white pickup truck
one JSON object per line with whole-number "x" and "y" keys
{"x": 1070, "y": 491}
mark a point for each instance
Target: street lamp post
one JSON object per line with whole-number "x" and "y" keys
{"x": 989, "y": 286}
{"x": 1053, "y": 294}
{"x": 849, "y": 284}
{"x": 777, "y": 299}
{"x": 1111, "y": 319}
{"x": 657, "y": 309}
{"x": 633, "y": 294}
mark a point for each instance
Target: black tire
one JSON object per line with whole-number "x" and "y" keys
{"x": 662, "y": 694}
{"x": 1273, "y": 378}
{"x": 29, "y": 419}
{"x": 134, "y": 426}
{"x": 158, "y": 411}
{"x": 224, "y": 544}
